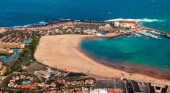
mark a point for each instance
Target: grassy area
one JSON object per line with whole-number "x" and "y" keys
{"x": 35, "y": 67}
{"x": 26, "y": 57}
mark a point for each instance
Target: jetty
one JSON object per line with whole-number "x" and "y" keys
{"x": 156, "y": 31}
{"x": 146, "y": 33}
{"x": 167, "y": 35}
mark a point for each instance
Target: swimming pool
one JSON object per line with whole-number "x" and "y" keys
{"x": 27, "y": 41}
{"x": 26, "y": 82}
{"x": 6, "y": 59}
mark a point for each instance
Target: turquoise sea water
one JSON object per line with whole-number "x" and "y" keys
{"x": 131, "y": 51}
{"x": 146, "y": 52}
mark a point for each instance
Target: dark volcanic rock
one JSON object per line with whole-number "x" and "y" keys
{"x": 147, "y": 72}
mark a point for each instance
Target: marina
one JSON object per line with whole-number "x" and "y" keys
{"x": 150, "y": 34}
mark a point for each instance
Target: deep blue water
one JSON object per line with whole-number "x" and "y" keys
{"x": 150, "y": 52}
{"x": 23, "y": 12}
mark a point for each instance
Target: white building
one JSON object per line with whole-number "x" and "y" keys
{"x": 46, "y": 73}
{"x": 125, "y": 25}
{"x": 98, "y": 91}
{"x": 107, "y": 26}
{"x": 90, "y": 32}
{"x": 99, "y": 34}
{"x": 43, "y": 74}
{"x": 56, "y": 30}
{"x": 6, "y": 51}
{"x": 117, "y": 24}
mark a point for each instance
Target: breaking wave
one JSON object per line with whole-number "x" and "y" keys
{"x": 138, "y": 20}
{"x": 39, "y": 23}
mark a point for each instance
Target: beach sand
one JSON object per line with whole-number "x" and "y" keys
{"x": 62, "y": 51}
{"x": 2, "y": 30}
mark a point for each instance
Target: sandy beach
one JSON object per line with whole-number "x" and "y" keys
{"x": 2, "y": 30}
{"x": 62, "y": 51}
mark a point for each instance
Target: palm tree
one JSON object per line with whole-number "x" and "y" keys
{"x": 130, "y": 74}
{"x": 122, "y": 74}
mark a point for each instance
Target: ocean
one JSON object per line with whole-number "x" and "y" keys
{"x": 124, "y": 51}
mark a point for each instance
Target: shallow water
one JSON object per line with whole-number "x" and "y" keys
{"x": 131, "y": 51}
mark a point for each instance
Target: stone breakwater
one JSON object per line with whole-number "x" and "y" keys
{"x": 167, "y": 35}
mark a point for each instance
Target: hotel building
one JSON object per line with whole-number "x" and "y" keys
{"x": 2, "y": 69}
{"x": 12, "y": 45}
{"x": 6, "y": 51}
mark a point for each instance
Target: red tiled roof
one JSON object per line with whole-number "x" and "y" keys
{"x": 59, "y": 91}
{"x": 113, "y": 91}
{"x": 116, "y": 91}
{"x": 110, "y": 91}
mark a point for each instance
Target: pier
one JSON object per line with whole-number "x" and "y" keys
{"x": 167, "y": 35}
{"x": 149, "y": 34}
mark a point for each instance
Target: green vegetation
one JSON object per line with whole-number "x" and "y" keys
{"x": 26, "y": 57}
{"x": 1, "y": 35}
{"x": 112, "y": 24}
{"x": 34, "y": 66}
{"x": 59, "y": 85}
{"x": 8, "y": 71}
{"x": 16, "y": 66}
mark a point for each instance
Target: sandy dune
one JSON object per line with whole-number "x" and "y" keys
{"x": 62, "y": 51}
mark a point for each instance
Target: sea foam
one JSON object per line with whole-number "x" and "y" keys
{"x": 39, "y": 23}
{"x": 42, "y": 23}
{"x": 137, "y": 20}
